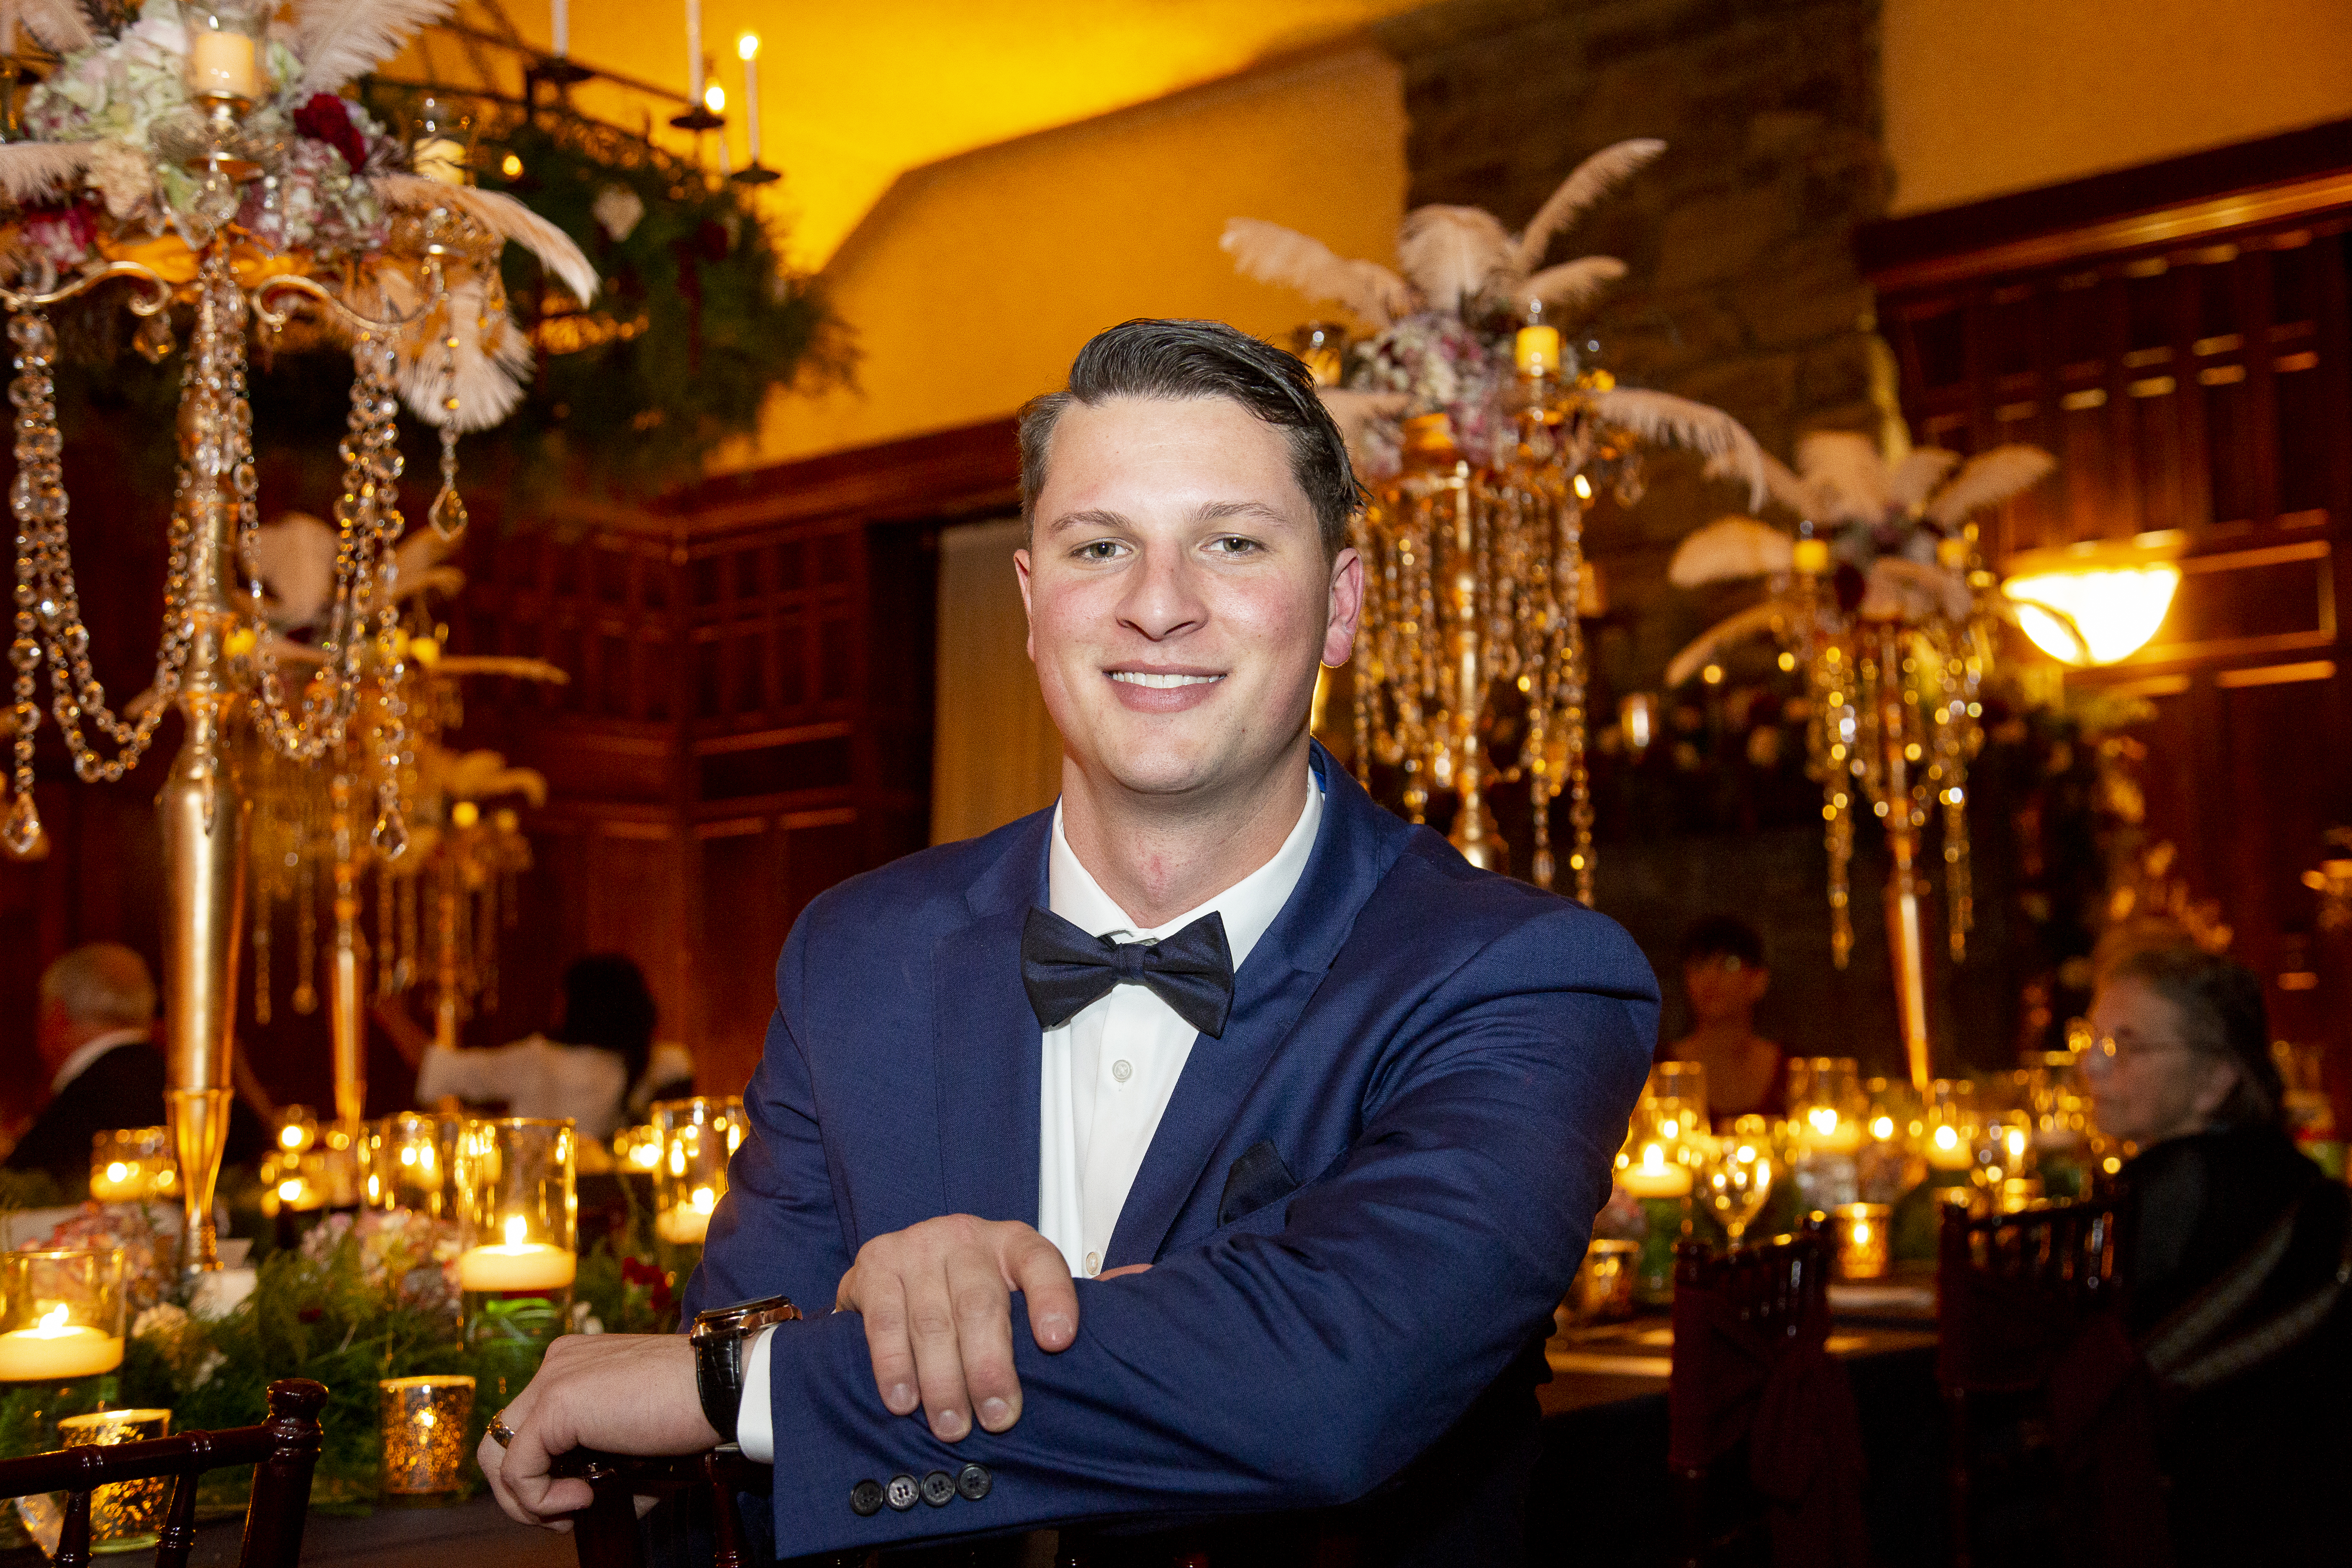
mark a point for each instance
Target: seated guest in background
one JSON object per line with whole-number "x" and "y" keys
{"x": 1212, "y": 1144}
{"x": 2235, "y": 1245}
{"x": 1724, "y": 976}
{"x": 669, "y": 1075}
{"x": 95, "y": 1039}
{"x": 602, "y": 1044}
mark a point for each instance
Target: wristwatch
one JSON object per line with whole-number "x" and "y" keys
{"x": 719, "y": 1337}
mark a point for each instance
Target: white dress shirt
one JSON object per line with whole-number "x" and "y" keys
{"x": 97, "y": 1045}
{"x": 1108, "y": 1075}
{"x": 536, "y": 1076}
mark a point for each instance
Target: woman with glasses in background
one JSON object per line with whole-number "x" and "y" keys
{"x": 2237, "y": 1257}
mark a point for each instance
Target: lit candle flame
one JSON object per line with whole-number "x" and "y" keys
{"x": 53, "y": 1321}
{"x": 518, "y": 1229}
{"x": 705, "y": 1200}
{"x": 1946, "y": 1138}
{"x": 1882, "y": 1128}
{"x": 1823, "y": 1118}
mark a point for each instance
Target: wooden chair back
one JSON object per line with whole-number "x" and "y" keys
{"x": 2011, "y": 1291}
{"x": 606, "y": 1533}
{"x": 283, "y": 1451}
{"x": 1778, "y": 1289}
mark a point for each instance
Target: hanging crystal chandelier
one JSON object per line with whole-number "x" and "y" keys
{"x": 169, "y": 153}
{"x": 1485, "y": 444}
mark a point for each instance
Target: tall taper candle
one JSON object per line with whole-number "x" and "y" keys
{"x": 693, "y": 51}
{"x": 562, "y": 28}
{"x": 748, "y": 45}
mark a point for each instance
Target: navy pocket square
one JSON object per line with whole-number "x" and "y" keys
{"x": 1256, "y": 1179}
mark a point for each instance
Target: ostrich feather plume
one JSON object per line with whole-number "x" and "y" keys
{"x": 1846, "y": 475}
{"x": 1989, "y": 479}
{"x": 1904, "y": 590}
{"x": 1569, "y": 284}
{"x": 1659, "y": 417}
{"x": 502, "y": 216}
{"x": 1592, "y": 180}
{"x": 61, "y": 25}
{"x": 416, "y": 566}
{"x": 1729, "y": 549}
{"x": 340, "y": 39}
{"x": 1351, "y": 411}
{"x": 492, "y": 358}
{"x": 32, "y": 170}
{"x": 294, "y": 556}
{"x": 1452, "y": 253}
{"x": 1748, "y": 623}
{"x": 1273, "y": 254}
{"x": 1917, "y": 475}
{"x": 1781, "y": 483}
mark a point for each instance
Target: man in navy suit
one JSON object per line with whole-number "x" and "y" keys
{"x": 1212, "y": 1145}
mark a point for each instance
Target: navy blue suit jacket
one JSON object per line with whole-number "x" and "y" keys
{"x": 1445, "y": 1057}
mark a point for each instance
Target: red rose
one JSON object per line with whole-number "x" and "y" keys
{"x": 326, "y": 118}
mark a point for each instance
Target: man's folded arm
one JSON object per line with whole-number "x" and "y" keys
{"x": 1299, "y": 1367}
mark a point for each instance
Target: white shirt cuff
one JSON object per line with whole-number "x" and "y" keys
{"x": 755, "y": 1434}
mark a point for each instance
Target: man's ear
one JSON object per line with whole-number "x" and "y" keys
{"x": 1347, "y": 603}
{"x": 1759, "y": 981}
{"x": 2217, "y": 1080}
{"x": 1021, "y": 572}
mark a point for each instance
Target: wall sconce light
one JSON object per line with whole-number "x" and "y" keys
{"x": 2095, "y": 604}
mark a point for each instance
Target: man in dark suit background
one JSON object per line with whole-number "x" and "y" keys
{"x": 98, "y": 1017}
{"x": 1338, "y": 1107}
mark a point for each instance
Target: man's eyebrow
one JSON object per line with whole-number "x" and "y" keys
{"x": 1219, "y": 511}
{"x": 1090, "y": 517}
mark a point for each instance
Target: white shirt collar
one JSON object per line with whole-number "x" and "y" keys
{"x": 78, "y": 1063}
{"x": 1247, "y": 907}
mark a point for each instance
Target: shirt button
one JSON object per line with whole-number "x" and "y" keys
{"x": 1094, "y": 1264}
{"x": 1122, "y": 1070}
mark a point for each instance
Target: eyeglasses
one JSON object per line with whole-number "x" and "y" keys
{"x": 2106, "y": 1051}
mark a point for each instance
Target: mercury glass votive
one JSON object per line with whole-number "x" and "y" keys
{"x": 127, "y": 1516}
{"x": 698, "y": 1136}
{"x": 424, "y": 1422}
{"x": 61, "y": 1314}
{"x": 1863, "y": 1233}
{"x": 133, "y": 1164}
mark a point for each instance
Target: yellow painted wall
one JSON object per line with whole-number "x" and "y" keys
{"x": 974, "y": 281}
{"x": 1986, "y": 97}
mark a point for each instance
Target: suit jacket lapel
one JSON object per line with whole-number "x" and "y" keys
{"x": 987, "y": 1042}
{"x": 1354, "y": 849}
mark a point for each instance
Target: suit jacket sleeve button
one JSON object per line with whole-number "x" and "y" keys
{"x": 866, "y": 1499}
{"x": 902, "y": 1493}
{"x": 973, "y": 1481}
{"x": 939, "y": 1489}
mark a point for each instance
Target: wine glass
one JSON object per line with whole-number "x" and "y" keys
{"x": 1736, "y": 1180}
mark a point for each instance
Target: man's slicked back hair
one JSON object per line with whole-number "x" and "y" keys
{"x": 1178, "y": 360}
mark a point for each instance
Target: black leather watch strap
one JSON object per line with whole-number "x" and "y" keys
{"x": 720, "y": 1338}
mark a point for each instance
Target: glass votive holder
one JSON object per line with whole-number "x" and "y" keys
{"x": 127, "y": 1516}
{"x": 61, "y": 1314}
{"x": 133, "y": 1164}
{"x": 698, "y": 1136}
{"x": 1603, "y": 1286}
{"x": 424, "y": 1422}
{"x": 1862, "y": 1235}
{"x": 1949, "y": 1141}
{"x": 518, "y": 1216}
{"x": 226, "y": 40}
{"x": 1676, "y": 1093}
{"x": 412, "y": 1162}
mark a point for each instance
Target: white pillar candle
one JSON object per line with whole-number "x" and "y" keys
{"x": 54, "y": 1348}
{"x": 521, "y": 1266}
{"x": 690, "y": 1222}
{"x": 748, "y": 46}
{"x": 222, "y": 62}
{"x": 1655, "y": 1176}
{"x": 694, "y": 52}
{"x": 562, "y": 28}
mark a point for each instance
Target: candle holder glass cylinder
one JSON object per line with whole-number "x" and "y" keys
{"x": 637, "y": 1150}
{"x": 698, "y": 1136}
{"x": 1676, "y": 1093}
{"x": 1604, "y": 1287}
{"x": 228, "y": 43}
{"x": 298, "y": 1130}
{"x": 441, "y": 142}
{"x": 61, "y": 1314}
{"x": 518, "y": 1218}
{"x": 1863, "y": 1233}
{"x": 412, "y": 1162}
{"x": 424, "y": 1421}
{"x": 133, "y": 1164}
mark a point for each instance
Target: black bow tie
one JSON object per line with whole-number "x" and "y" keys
{"x": 1066, "y": 970}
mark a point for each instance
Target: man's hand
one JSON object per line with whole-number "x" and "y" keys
{"x": 625, "y": 1393}
{"x": 937, "y": 1300}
